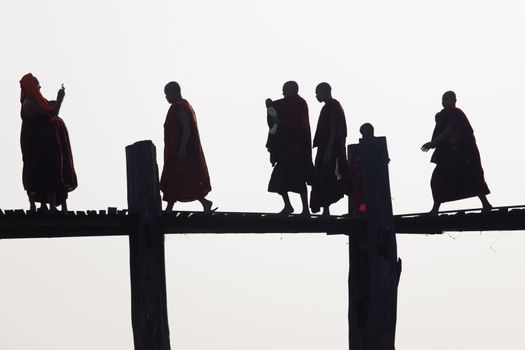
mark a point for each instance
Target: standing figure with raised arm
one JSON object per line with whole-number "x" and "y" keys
{"x": 49, "y": 173}
{"x": 290, "y": 146}
{"x": 458, "y": 173}
{"x": 331, "y": 169}
{"x": 185, "y": 174}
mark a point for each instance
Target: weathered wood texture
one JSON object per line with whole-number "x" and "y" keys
{"x": 374, "y": 266}
{"x": 147, "y": 264}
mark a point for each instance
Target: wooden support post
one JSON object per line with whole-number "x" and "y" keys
{"x": 147, "y": 266}
{"x": 374, "y": 266}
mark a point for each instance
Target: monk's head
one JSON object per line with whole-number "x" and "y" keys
{"x": 449, "y": 100}
{"x": 323, "y": 92}
{"x": 290, "y": 88}
{"x": 172, "y": 91}
{"x": 367, "y": 130}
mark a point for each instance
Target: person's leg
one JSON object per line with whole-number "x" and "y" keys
{"x": 304, "y": 200}
{"x": 206, "y": 205}
{"x": 485, "y": 202}
{"x": 52, "y": 197}
{"x": 435, "y": 208}
{"x": 32, "y": 204}
{"x": 288, "y": 209}
{"x": 326, "y": 210}
{"x": 169, "y": 206}
{"x": 63, "y": 206}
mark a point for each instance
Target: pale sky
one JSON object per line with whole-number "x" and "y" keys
{"x": 388, "y": 63}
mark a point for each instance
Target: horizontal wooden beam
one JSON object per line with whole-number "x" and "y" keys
{"x": 92, "y": 223}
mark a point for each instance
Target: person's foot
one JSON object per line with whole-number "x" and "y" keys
{"x": 63, "y": 207}
{"x": 326, "y": 211}
{"x": 206, "y": 206}
{"x": 287, "y": 210}
{"x": 432, "y": 212}
{"x": 32, "y": 206}
{"x": 305, "y": 212}
{"x": 487, "y": 207}
{"x": 169, "y": 206}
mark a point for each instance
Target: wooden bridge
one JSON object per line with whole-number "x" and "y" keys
{"x": 374, "y": 266}
{"x": 16, "y": 224}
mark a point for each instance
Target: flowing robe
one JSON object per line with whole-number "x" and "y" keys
{"x": 458, "y": 173}
{"x": 330, "y": 178}
{"x": 290, "y": 147}
{"x": 183, "y": 179}
{"x": 46, "y": 149}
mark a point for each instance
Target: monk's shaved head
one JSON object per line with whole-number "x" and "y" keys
{"x": 449, "y": 100}
{"x": 290, "y": 88}
{"x": 450, "y": 95}
{"x": 325, "y": 87}
{"x": 172, "y": 91}
{"x": 323, "y": 92}
{"x": 367, "y": 130}
{"x": 172, "y": 86}
{"x": 292, "y": 85}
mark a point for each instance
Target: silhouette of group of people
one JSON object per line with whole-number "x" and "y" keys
{"x": 49, "y": 173}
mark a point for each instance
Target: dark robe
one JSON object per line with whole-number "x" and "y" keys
{"x": 290, "y": 147}
{"x": 458, "y": 173}
{"x": 355, "y": 175}
{"x": 330, "y": 178}
{"x": 46, "y": 149}
{"x": 185, "y": 179}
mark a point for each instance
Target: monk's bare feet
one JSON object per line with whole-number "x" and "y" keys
{"x": 206, "y": 206}
{"x": 486, "y": 204}
{"x": 435, "y": 209}
{"x": 486, "y": 208}
{"x": 169, "y": 206}
{"x": 287, "y": 210}
{"x": 305, "y": 212}
{"x": 432, "y": 212}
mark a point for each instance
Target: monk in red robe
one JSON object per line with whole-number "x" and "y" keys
{"x": 331, "y": 169}
{"x": 357, "y": 205}
{"x": 289, "y": 144}
{"x": 49, "y": 173}
{"x": 185, "y": 174}
{"x": 458, "y": 173}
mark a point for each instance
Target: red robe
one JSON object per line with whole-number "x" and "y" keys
{"x": 290, "y": 147}
{"x": 185, "y": 179}
{"x": 46, "y": 150}
{"x": 458, "y": 173}
{"x": 330, "y": 178}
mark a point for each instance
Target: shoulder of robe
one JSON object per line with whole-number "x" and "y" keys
{"x": 30, "y": 106}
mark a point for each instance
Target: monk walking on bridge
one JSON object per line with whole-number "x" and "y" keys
{"x": 185, "y": 174}
{"x": 331, "y": 170}
{"x": 458, "y": 173}
{"x": 290, "y": 146}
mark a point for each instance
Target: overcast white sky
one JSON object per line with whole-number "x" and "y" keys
{"x": 388, "y": 63}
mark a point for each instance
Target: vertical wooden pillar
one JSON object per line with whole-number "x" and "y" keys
{"x": 147, "y": 266}
{"x": 374, "y": 266}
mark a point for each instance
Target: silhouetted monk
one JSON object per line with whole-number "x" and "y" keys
{"x": 458, "y": 173}
{"x": 357, "y": 197}
{"x": 289, "y": 144}
{"x": 331, "y": 170}
{"x": 185, "y": 174}
{"x": 48, "y": 173}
